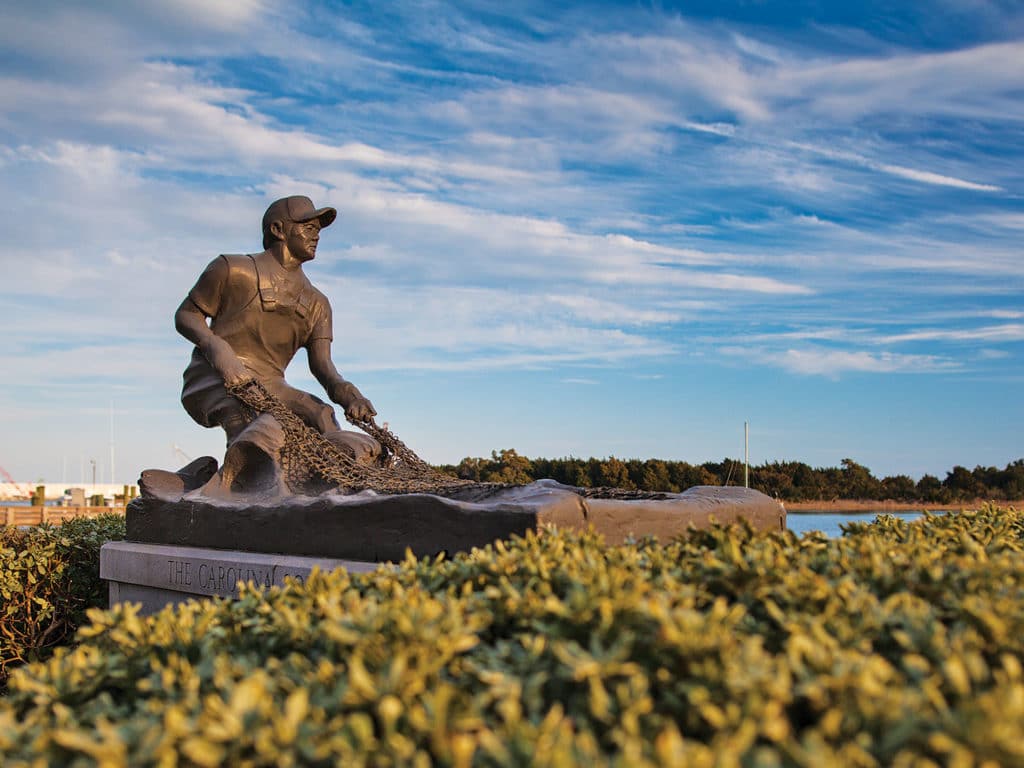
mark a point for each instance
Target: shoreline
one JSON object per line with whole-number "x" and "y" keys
{"x": 858, "y": 505}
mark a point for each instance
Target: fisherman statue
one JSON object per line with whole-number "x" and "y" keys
{"x": 293, "y": 482}
{"x": 247, "y": 316}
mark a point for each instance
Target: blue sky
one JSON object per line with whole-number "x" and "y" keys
{"x": 569, "y": 229}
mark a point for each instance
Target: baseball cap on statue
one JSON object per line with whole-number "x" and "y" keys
{"x": 297, "y": 208}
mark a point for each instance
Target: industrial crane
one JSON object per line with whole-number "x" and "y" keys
{"x": 176, "y": 450}
{"x": 25, "y": 493}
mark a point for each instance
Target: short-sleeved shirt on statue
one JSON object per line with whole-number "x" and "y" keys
{"x": 265, "y": 313}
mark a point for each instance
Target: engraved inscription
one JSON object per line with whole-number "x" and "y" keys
{"x": 224, "y": 577}
{"x": 179, "y": 572}
{"x": 216, "y": 578}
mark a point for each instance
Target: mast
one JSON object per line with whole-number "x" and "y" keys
{"x": 112, "y": 480}
{"x": 746, "y": 454}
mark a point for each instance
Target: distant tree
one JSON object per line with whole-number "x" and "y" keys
{"x": 470, "y": 469}
{"x": 962, "y": 484}
{"x": 858, "y": 482}
{"x": 930, "y": 489}
{"x": 727, "y": 472}
{"x": 510, "y": 467}
{"x": 635, "y": 472}
{"x": 899, "y": 488}
{"x": 832, "y": 483}
{"x": 576, "y": 473}
{"x": 544, "y": 468}
{"x": 1002, "y": 484}
{"x": 614, "y": 474}
{"x": 683, "y": 475}
{"x": 656, "y": 477}
{"x": 807, "y": 484}
{"x": 1012, "y": 481}
{"x": 774, "y": 480}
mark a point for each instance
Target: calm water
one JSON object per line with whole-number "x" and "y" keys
{"x": 829, "y": 522}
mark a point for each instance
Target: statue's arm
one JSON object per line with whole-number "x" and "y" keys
{"x": 190, "y": 321}
{"x": 342, "y": 392}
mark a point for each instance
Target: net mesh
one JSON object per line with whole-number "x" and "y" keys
{"x": 312, "y": 463}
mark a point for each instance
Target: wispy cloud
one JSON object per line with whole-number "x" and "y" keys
{"x": 925, "y": 177}
{"x": 970, "y": 82}
{"x": 832, "y": 363}
{"x": 1007, "y": 332}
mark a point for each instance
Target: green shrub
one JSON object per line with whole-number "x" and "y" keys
{"x": 897, "y": 644}
{"x": 49, "y": 578}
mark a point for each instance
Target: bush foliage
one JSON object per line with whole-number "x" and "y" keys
{"x": 897, "y": 644}
{"x": 49, "y": 577}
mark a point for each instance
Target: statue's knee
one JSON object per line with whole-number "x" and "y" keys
{"x": 363, "y": 448}
{"x": 328, "y": 420}
{"x": 252, "y": 461}
{"x": 265, "y": 432}
{"x": 371, "y": 448}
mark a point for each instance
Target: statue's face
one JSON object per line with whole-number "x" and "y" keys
{"x": 302, "y": 238}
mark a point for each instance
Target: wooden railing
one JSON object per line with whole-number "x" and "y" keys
{"x": 38, "y": 515}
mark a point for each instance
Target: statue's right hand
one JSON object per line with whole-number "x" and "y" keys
{"x": 235, "y": 373}
{"x": 228, "y": 365}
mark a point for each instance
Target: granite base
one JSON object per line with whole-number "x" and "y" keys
{"x": 370, "y": 527}
{"x": 156, "y": 575}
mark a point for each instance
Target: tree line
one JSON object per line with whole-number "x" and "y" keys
{"x": 787, "y": 480}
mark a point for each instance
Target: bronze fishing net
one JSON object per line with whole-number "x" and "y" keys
{"x": 311, "y": 463}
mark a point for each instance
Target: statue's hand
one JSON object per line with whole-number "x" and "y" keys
{"x": 235, "y": 373}
{"x": 360, "y": 409}
{"x": 348, "y": 396}
{"x": 227, "y": 364}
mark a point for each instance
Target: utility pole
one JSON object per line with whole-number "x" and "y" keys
{"x": 746, "y": 454}
{"x": 112, "y": 480}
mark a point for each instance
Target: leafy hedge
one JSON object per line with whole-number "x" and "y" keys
{"x": 49, "y": 577}
{"x": 897, "y": 644}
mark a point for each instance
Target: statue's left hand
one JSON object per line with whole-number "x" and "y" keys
{"x": 348, "y": 396}
{"x": 360, "y": 409}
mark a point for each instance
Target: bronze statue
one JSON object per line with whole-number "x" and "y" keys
{"x": 293, "y": 482}
{"x": 261, "y": 309}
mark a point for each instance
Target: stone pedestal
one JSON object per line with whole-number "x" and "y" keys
{"x": 371, "y": 527}
{"x": 158, "y": 574}
{"x": 198, "y": 546}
